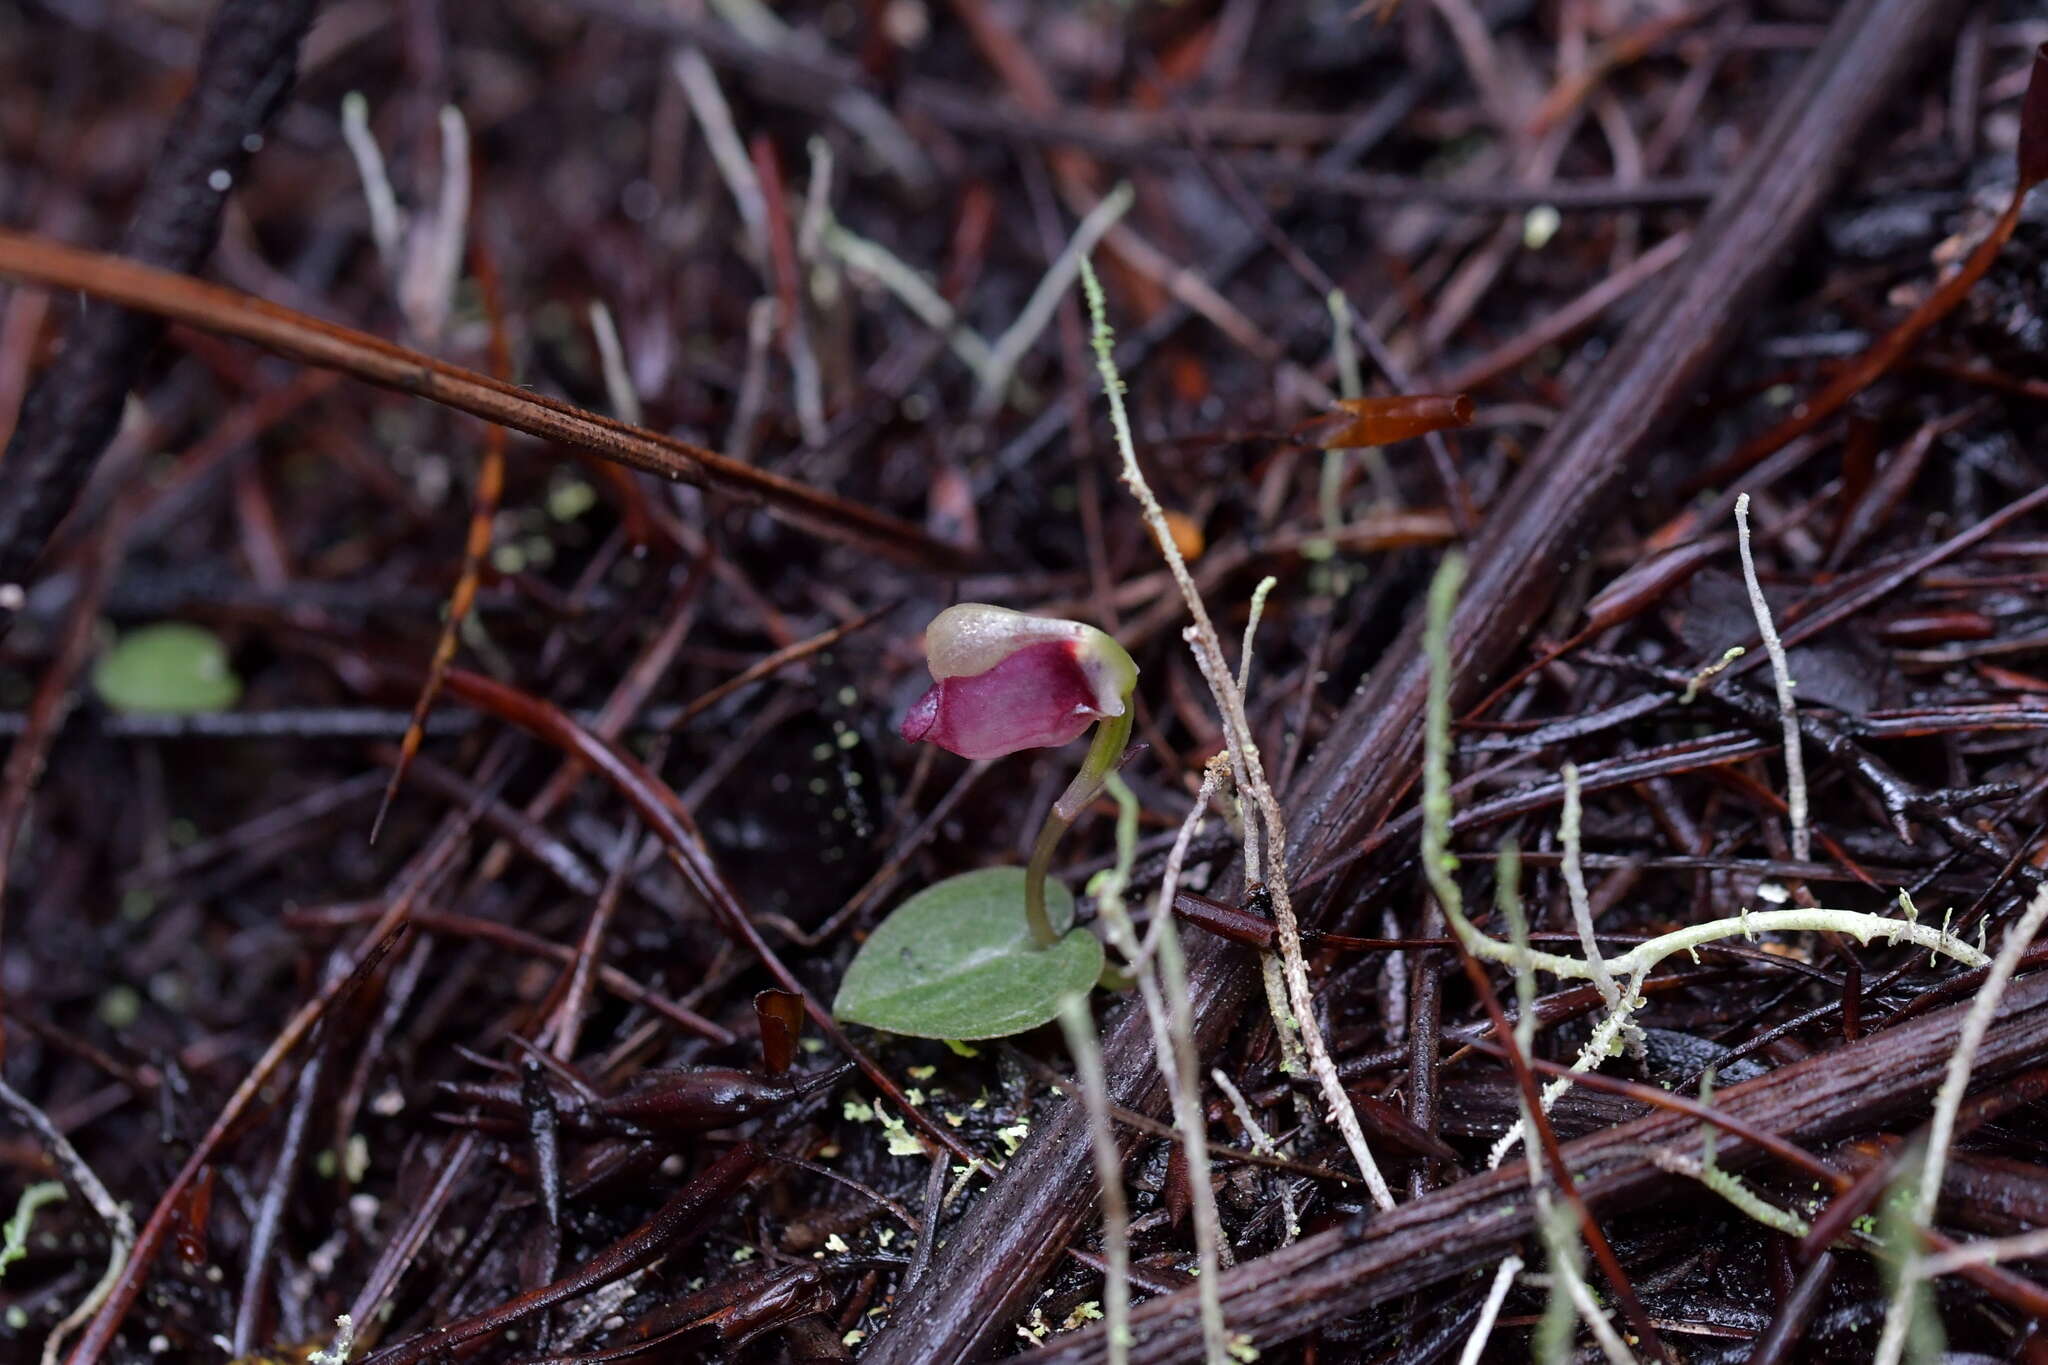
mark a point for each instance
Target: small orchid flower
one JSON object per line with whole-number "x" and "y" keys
{"x": 1004, "y": 681}
{"x": 1008, "y": 681}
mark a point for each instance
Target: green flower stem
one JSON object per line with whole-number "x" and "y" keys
{"x": 1112, "y": 734}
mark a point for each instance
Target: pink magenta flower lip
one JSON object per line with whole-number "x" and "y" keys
{"x": 1037, "y": 697}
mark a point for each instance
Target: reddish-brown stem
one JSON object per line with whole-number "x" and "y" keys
{"x": 389, "y": 365}
{"x": 490, "y": 488}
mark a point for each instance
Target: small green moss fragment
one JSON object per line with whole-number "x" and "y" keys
{"x": 119, "y": 1008}
{"x": 571, "y": 499}
{"x": 172, "y": 668}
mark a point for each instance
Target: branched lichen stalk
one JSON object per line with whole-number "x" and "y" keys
{"x": 1438, "y": 866}
{"x": 1247, "y": 766}
{"x": 1582, "y": 904}
{"x": 1781, "y": 677}
{"x": 1162, "y": 986}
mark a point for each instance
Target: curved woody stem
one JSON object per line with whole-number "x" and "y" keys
{"x": 1112, "y": 733}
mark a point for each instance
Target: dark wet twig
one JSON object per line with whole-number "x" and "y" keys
{"x": 928, "y": 1230}
{"x": 363, "y": 962}
{"x": 685, "y": 1212}
{"x": 967, "y": 112}
{"x": 246, "y": 68}
{"x": 261, "y": 1263}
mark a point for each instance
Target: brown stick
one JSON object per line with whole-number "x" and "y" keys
{"x": 1000, "y": 1252}
{"x": 389, "y": 365}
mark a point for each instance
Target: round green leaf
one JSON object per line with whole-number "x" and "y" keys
{"x": 171, "y": 668}
{"x": 957, "y": 961}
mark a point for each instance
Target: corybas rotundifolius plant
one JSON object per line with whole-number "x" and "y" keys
{"x": 991, "y": 952}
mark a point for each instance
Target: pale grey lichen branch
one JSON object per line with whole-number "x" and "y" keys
{"x": 1350, "y": 384}
{"x": 1261, "y": 1142}
{"x": 1570, "y": 1295}
{"x": 1247, "y": 765}
{"x": 344, "y": 1344}
{"x": 1645, "y": 956}
{"x": 1176, "y": 857}
{"x": 2024, "y": 1246}
{"x": 912, "y": 290}
{"x": 437, "y": 242}
{"x": 858, "y": 109}
{"x": 386, "y": 223}
{"x": 1781, "y": 676}
{"x": 1438, "y": 865}
{"x": 817, "y": 216}
{"x": 1251, "y": 632}
{"x": 1582, "y": 904}
{"x": 1162, "y": 986}
{"x": 422, "y": 254}
{"x": 619, "y": 388}
{"x": 728, "y": 153}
